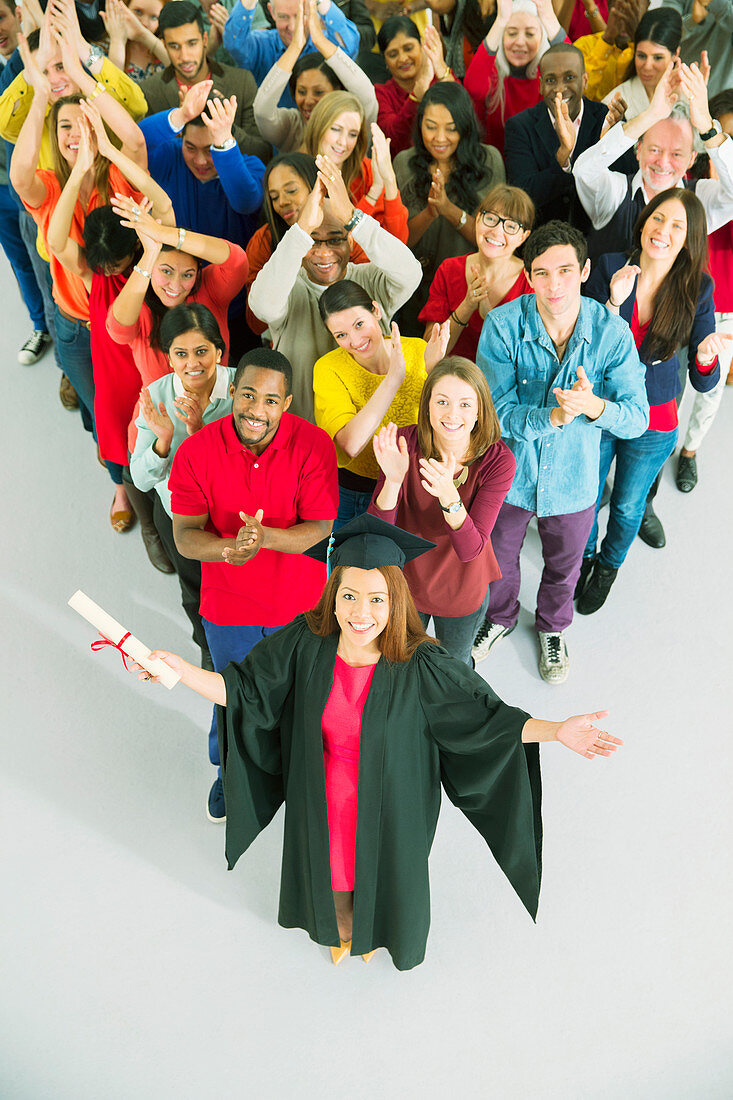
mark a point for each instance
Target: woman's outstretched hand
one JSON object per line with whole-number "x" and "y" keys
{"x": 580, "y": 734}
{"x": 171, "y": 659}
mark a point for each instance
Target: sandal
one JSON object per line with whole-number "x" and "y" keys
{"x": 121, "y": 521}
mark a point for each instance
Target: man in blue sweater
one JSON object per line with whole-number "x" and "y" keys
{"x": 215, "y": 188}
{"x": 259, "y": 50}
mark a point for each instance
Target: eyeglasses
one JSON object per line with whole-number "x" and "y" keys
{"x": 491, "y": 220}
{"x": 332, "y": 242}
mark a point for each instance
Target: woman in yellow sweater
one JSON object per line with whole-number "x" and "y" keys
{"x": 369, "y": 381}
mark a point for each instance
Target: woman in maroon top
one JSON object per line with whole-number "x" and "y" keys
{"x": 414, "y": 66}
{"x": 466, "y": 288}
{"x": 445, "y": 479}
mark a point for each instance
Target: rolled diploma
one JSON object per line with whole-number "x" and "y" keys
{"x": 133, "y": 647}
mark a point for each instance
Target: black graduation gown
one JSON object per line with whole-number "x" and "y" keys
{"x": 426, "y": 721}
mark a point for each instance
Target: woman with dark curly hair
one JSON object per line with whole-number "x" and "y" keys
{"x": 442, "y": 180}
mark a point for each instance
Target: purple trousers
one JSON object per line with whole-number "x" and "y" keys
{"x": 563, "y": 541}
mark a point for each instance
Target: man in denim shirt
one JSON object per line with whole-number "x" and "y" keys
{"x": 561, "y": 368}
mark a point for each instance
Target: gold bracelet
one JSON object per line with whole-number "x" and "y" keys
{"x": 98, "y": 90}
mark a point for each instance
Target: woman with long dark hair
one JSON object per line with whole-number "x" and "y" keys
{"x": 656, "y": 41}
{"x": 445, "y": 479}
{"x": 351, "y": 712}
{"x": 442, "y": 180}
{"x": 168, "y": 274}
{"x": 368, "y": 381}
{"x": 414, "y": 65}
{"x": 665, "y": 295}
{"x": 172, "y": 408}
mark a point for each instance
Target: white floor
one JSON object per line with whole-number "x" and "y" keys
{"x": 135, "y": 965}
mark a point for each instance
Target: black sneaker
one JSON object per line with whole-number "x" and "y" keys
{"x": 686, "y": 478}
{"x": 34, "y": 347}
{"x": 215, "y": 808}
{"x": 597, "y": 588}
{"x": 585, "y": 569}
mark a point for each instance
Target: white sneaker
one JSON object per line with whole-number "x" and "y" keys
{"x": 34, "y": 347}
{"x": 488, "y": 635}
{"x": 554, "y": 660}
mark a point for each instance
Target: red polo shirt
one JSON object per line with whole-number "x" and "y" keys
{"x": 293, "y": 480}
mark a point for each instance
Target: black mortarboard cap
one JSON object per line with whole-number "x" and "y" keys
{"x": 367, "y": 542}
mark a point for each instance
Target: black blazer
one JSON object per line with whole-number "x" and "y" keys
{"x": 530, "y": 147}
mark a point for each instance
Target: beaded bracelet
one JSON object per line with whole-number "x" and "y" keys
{"x": 141, "y": 271}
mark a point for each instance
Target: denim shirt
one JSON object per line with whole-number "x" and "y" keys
{"x": 557, "y": 468}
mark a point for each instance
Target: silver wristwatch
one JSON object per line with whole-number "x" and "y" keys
{"x": 452, "y": 508}
{"x": 95, "y": 54}
{"x": 354, "y": 220}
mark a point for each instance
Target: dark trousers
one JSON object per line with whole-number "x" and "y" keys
{"x": 563, "y": 541}
{"x": 188, "y": 571}
{"x": 29, "y": 233}
{"x": 227, "y": 644}
{"x": 456, "y": 633}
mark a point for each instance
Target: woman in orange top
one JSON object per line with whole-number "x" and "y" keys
{"x": 337, "y": 129}
{"x": 77, "y": 130}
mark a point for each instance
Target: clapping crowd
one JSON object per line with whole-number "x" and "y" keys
{"x": 451, "y": 262}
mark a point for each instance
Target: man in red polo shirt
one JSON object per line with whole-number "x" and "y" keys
{"x": 250, "y": 493}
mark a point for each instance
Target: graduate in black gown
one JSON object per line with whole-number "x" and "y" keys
{"x": 428, "y": 722}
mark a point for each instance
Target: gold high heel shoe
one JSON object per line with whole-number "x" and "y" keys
{"x": 338, "y": 953}
{"x": 368, "y": 958}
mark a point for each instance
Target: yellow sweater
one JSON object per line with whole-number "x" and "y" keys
{"x": 605, "y": 65}
{"x": 342, "y": 388}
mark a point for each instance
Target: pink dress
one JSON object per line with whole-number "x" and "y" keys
{"x": 341, "y": 736}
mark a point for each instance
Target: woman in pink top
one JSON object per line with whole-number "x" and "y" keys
{"x": 445, "y": 479}
{"x": 167, "y": 274}
{"x": 503, "y": 78}
{"x": 466, "y": 288}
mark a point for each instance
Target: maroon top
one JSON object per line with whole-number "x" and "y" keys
{"x": 396, "y": 115}
{"x": 447, "y": 291}
{"x": 452, "y": 579}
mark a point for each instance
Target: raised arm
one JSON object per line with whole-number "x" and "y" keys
{"x": 57, "y": 237}
{"x": 358, "y": 433}
{"x": 240, "y": 175}
{"x": 27, "y": 183}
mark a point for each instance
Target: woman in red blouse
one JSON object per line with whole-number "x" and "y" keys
{"x": 466, "y": 288}
{"x": 445, "y": 479}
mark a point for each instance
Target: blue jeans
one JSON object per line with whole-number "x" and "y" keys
{"x": 15, "y": 249}
{"x": 29, "y": 232}
{"x": 456, "y": 634}
{"x": 351, "y": 504}
{"x": 227, "y": 644}
{"x": 638, "y": 461}
{"x": 73, "y": 345}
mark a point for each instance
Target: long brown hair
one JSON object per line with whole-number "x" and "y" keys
{"x": 485, "y": 431}
{"x": 675, "y": 303}
{"x": 325, "y": 111}
{"x": 61, "y": 167}
{"x": 404, "y": 631}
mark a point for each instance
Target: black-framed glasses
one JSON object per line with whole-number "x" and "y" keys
{"x": 332, "y": 242}
{"x": 491, "y": 220}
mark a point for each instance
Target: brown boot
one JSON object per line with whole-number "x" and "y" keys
{"x": 729, "y": 379}
{"x": 67, "y": 394}
{"x": 143, "y": 507}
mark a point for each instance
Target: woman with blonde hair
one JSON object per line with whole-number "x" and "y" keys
{"x": 337, "y": 130}
{"x": 445, "y": 479}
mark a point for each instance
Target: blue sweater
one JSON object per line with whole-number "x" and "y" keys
{"x": 662, "y": 375}
{"x": 226, "y": 206}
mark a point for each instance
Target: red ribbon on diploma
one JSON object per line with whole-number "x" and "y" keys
{"x": 102, "y": 642}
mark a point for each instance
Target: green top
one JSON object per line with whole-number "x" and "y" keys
{"x": 426, "y": 721}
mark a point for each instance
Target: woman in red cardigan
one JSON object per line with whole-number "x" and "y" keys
{"x": 445, "y": 479}
{"x": 503, "y": 78}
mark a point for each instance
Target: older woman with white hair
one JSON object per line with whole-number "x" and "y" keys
{"x": 503, "y": 78}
